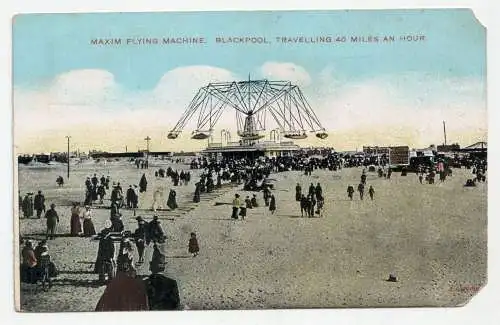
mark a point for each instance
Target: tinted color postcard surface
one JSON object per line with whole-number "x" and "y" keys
{"x": 249, "y": 160}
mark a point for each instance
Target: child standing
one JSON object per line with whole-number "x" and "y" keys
{"x": 193, "y": 245}
{"x": 371, "y": 191}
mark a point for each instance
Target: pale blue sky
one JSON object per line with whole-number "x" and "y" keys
{"x": 395, "y": 93}
{"x": 46, "y": 45}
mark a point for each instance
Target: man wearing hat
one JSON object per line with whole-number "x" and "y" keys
{"x": 41, "y": 247}
{"x": 163, "y": 292}
{"x": 27, "y": 205}
{"x": 104, "y": 263}
{"x": 156, "y": 233}
{"x": 117, "y": 223}
{"x": 140, "y": 236}
{"x": 130, "y": 197}
{"x": 52, "y": 220}
{"x": 39, "y": 204}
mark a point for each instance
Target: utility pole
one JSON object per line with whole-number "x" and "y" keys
{"x": 68, "y": 137}
{"x": 147, "y": 146}
{"x": 444, "y": 130}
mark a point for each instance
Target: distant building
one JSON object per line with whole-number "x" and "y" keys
{"x": 100, "y": 155}
{"x": 235, "y": 150}
{"x": 478, "y": 150}
{"x": 449, "y": 148}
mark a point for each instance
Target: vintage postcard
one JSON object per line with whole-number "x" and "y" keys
{"x": 249, "y": 160}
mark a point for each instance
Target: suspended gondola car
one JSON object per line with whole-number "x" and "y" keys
{"x": 296, "y": 136}
{"x": 172, "y": 135}
{"x": 198, "y": 135}
{"x": 250, "y": 136}
{"x": 322, "y": 135}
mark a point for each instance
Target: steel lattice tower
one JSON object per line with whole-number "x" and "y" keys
{"x": 252, "y": 101}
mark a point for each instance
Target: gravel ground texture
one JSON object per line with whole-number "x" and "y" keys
{"x": 432, "y": 237}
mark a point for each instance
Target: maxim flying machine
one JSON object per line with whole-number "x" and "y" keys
{"x": 253, "y": 101}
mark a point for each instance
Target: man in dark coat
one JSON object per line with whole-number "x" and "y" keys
{"x": 117, "y": 223}
{"x": 298, "y": 192}
{"x": 361, "y": 190}
{"x": 318, "y": 191}
{"x": 155, "y": 232}
{"x": 163, "y": 292}
{"x": 130, "y": 197}
{"x": 27, "y": 206}
{"x": 363, "y": 179}
{"x": 95, "y": 180}
{"x": 311, "y": 189}
{"x": 88, "y": 183}
{"x": 119, "y": 187}
{"x": 39, "y": 204}
{"x": 135, "y": 201}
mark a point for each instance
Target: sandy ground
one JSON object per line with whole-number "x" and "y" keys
{"x": 433, "y": 237}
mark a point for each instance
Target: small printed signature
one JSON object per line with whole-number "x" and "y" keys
{"x": 466, "y": 288}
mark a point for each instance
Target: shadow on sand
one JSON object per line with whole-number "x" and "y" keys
{"x": 44, "y": 235}
{"x": 296, "y": 216}
{"x": 76, "y": 272}
{"x": 77, "y": 283}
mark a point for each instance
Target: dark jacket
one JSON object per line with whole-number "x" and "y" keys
{"x": 163, "y": 292}
{"x": 39, "y": 202}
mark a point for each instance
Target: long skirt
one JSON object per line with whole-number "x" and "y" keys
{"x": 172, "y": 204}
{"x": 298, "y": 196}
{"x": 76, "y": 225}
{"x": 235, "y": 213}
{"x": 88, "y": 228}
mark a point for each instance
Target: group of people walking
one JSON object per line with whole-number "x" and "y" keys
{"x": 240, "y": 208}
{"x": 311, "y": 204}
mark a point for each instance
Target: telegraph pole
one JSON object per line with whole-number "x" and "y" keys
{"x": 147, "y": 147}
{"x": 68, "y": 137}
{"x": 444, "y": 130}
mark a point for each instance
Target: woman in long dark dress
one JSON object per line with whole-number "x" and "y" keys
{"x": 88, "y": 225}
{"x": 171, "y": 202}
{"x": 76, "y": 225}
{"x": 143, "y": 184}
{"x": 196, "y": 197}
{"x": 298, "y": 192}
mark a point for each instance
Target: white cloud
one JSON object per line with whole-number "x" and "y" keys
{"x": 83, "y": 87}
{"x": 181, "y": 84}
{"x": 286, "y": 71}
{"x": 407, "y": 104}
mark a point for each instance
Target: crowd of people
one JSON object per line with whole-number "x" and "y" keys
{"x": 251, "y": 174}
